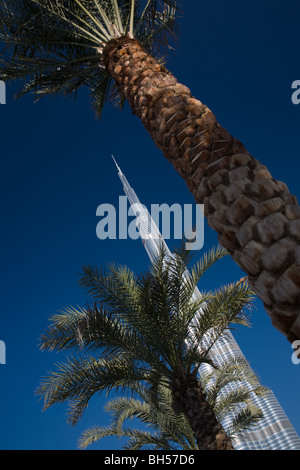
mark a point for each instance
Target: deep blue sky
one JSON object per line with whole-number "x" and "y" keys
{"x": 240, "y": 59}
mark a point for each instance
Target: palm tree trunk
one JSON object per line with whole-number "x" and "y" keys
{"x": 189, "y": 399}
{"x": 256, "y": 217}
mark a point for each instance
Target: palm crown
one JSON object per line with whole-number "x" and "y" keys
{"x": 57, "y": 45}
{"x": 140, "y": 330}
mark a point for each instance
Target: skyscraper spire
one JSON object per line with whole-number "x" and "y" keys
{"x": 149, "y": 233}
{"x": 274, "y": 431}
{"x": 119, "y": 169}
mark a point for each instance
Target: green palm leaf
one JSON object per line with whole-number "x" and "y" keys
{"x": 56, "y": 45}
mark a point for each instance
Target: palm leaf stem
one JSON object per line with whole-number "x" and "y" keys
{"x": 104, "y": 18}
{"x": 131, "y": 18}
{"x": 74, "y": 24}
{"x": 118, "y": 16}
{"x": 94, "y": 20}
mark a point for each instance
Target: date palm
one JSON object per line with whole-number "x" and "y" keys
{"x": 109, "y": 46}
{"x": 142, "y": 330}
{"x": 168, "y": 430}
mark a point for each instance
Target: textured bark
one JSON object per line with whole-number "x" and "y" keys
{"x": 256, "y": 217}
{"x": 189, "y": 399}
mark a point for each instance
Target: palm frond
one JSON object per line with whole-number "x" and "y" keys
{"x": 55, "y": 46}
{"x": 94, "y": 434}
{"x": 77, "y": 380}
{"x": 144, "y": 303}
{"x": 227, "y": 390}
{"x": 244, "y": 420}
{"x": 168, "y": 430}
{"x": 226, "y": 306}
{"x": 139, "y": 439}
{"x": 100, "y": 330}
{"x": 234, "y": 370}
{"x": 63, "y": 331}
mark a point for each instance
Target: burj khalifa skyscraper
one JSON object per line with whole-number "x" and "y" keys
{"x": 274, "y": 431}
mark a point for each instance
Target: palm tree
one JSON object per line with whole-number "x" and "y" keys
{"x": 171, "y": 430}
{"x": 143, "y": 330}
{"x": 63, "y": 44}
